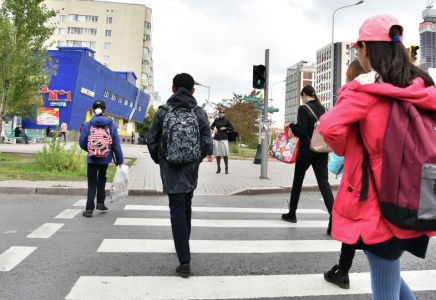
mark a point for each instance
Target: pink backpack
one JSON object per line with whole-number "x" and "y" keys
{"x": 99, "y": 141}
{"x": 407, "y": 194}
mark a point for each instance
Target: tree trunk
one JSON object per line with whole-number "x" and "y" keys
{"x": 2, "y": 110}
{"x": 240, "y": 148}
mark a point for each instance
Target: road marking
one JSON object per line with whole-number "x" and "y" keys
{"x": 227, "y": 209}
{"x": 222, "y": 223}
{"x": 68, "y": 214}
{"x": 80, "y": 203}
{"x": 45, "y": 230}
{"x": 219, "y": 246}
{"x": 231, "y": 287}
{"x": 13, "y": 256}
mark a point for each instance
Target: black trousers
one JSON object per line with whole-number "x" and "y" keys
{"x": 319, "y": 162}
{"x": 180, "y": 210}
{"x": 346, "y": 257}
{"x": 96, "y": 183}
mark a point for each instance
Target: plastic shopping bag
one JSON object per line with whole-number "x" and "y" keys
{"x": 285, "y": 147}
{"x": 119, "y": 185}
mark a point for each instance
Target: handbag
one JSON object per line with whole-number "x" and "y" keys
{"x": 233, "y": 136}
{"x": 317, "y": 143}
{"x": 285, "y": 147}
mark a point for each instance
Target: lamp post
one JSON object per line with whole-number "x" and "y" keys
{"x": 333, "y": 48}
{"x": 208, "y": 94}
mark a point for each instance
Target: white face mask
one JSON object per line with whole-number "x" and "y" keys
{"x": 98, "y": 111}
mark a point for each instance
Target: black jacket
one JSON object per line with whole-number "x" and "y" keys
{"x": 222, "y": 135}
{"x": 305, "y": 125}
{"x": 18, "y": 130}
{"x": 177, "y": 179}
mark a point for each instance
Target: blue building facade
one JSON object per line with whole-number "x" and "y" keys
{"x": 81, "y": 80}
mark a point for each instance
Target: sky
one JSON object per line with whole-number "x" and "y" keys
{"x": 218, "y": 41}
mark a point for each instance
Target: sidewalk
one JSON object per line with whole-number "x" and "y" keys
{"x": 145, "y": 177}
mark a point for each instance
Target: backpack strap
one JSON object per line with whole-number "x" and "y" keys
{"x": 365, "y": 176}
{"x": 311, "y": 111}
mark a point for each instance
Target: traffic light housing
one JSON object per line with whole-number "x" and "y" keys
{"x": 259, "y": 77}
{"x": 413, "y": 53}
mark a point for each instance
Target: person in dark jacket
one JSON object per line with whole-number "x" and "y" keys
{"x": 19, "y": 133}
{"x": 97, "y": 166}
{"x": 179, "y": 182}
{"x": 48, "y": 132}
{"x": 306, "y": 157}
{"x": 221, "y": 126}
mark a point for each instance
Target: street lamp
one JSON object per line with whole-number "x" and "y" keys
{"x": 333, "y": 48}
{"x": 208, "y": 93}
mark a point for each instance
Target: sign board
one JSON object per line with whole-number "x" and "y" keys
{"x": 251, "y": 99}
{"x": 272, "y": 110}
{"x": 47, "y": 116}
{"x": 257, "y": 105}
{"x": 87, "y": 92}
{"x": 58, "y": 104}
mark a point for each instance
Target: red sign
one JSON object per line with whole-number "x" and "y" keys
{"x": 53, "y": 94}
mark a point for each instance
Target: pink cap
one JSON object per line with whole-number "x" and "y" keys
{"x": 376, "y": 29}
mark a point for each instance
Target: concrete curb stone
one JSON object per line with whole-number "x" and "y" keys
{"x": 17, "y": 190}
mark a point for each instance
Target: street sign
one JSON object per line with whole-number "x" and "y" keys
{"x": 272, "y": 110}
{"x": 251, "y": 99}
{"x": 258, "y": 105}
{"x": 58, "y": 104}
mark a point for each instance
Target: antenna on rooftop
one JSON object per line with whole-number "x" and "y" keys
{"x": 430, "y": 4}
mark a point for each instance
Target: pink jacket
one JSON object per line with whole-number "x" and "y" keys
{"x": 366, "y": 103}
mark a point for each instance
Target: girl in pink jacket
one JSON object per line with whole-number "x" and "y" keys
{"x": 363, "y": 108}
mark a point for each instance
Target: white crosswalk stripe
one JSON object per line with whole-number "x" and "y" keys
{"x": 68, "y": 214}
{"x": 13, "y": 256}
{"x": 45, "y": 230}
{"x": 220, "y": 246}
{"x": 223, "y": 223}
{"x": 80, "y": 203}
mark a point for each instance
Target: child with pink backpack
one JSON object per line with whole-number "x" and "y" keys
{"x": 99, "y": 137}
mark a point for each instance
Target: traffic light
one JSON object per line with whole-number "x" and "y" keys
{"x": 413, "y": 53}
{"x": 259, "y": 77}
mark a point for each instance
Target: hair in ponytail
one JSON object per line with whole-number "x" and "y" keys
{"x": 310, "y": 91}
{"x": 392, "y": 62}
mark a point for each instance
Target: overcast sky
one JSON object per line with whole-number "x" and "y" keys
{"x": 218, "y": 41}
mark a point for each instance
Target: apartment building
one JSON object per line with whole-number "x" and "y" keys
{"x": 427, "y": 33}
{"x": 298, "y": 76}
{"x": 342, "y": 57}
{"x": 120, "y": 33}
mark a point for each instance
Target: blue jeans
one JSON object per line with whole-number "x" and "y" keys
{"x": 64, "y": 134}
{"x": 386, "y": 281}
{"x": 25, "y": 136}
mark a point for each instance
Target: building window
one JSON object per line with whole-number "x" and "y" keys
{"x": 107, "y": 46}
{"x": 144, "y": 76}
{"x": 146, "y": 50}
{"x": 91, "y": 45}
{"x": 106, "y": 59}
{"x": 120, "y": 99}
{"x": 108, "y": 20}
{"x": 108, "y": 33}
{"x": 145, "y": 63}
{"x": 140, "y": 108}
{"x": 131, "y": 104}
{"x": 114, "y": 97}
{"x": 146, "y": 37}
{"x": 126, "y": 102}
{"x": 83, "y": 18}
{"x": 147, "y": 25}
{"x": 106, "y": 93}
{"x": 62, "y": 18}
{"x": 60, "y": 43}
{"x": 61, "y": 31}
{"x": 144, "y": 88}
{"x": 82, "y": 31}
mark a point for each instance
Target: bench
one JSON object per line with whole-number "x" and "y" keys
{"x": 10, "y": 136}
{"x": 34, "y": 134}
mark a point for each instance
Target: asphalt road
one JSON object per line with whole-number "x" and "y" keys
{"x": 67, "y": 262}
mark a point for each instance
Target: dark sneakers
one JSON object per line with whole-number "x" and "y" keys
{"x": 338, "y": 277}
{"x": 87, "y": 213}
{"x": 290, "y": 217}
{"x": 227, "y": 170}
{"x": 184, "y": 270}
{"x": 101, "y": 207}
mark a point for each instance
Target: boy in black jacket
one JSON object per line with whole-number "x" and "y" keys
{"x": 179, "y": 182}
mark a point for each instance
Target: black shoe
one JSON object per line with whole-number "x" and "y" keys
{"x": 338, "y": 277}
{"x": 227, "y": 170}
{"x": 87, "y": 213}
{"x": 290, "y": 217}
{"x": 101, "y": 207}
{"x": 184, "y": 270}
{"x": 329, "y": 227}
{"x": 219, "y": 170}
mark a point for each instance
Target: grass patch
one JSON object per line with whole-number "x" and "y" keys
{"x": 245, "y": 153}
{"x": 18, "y": 167}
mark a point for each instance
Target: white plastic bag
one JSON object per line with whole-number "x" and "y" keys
{"x": 119, "y": 185}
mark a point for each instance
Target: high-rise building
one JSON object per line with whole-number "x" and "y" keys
{"x": 343, "y": 57}
{"x": 297, "y": 77}
{"x": 120, "y": 33}
{"x": 427, "y": 33}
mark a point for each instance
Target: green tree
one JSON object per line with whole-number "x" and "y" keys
{"x": 24, "y": 63}
{"x": 144, "y": 127}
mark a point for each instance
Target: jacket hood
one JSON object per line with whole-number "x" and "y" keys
{"x": 182, "y": 97}
{"x": 416, "y": 93}
{"x": 100, "y": 121}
